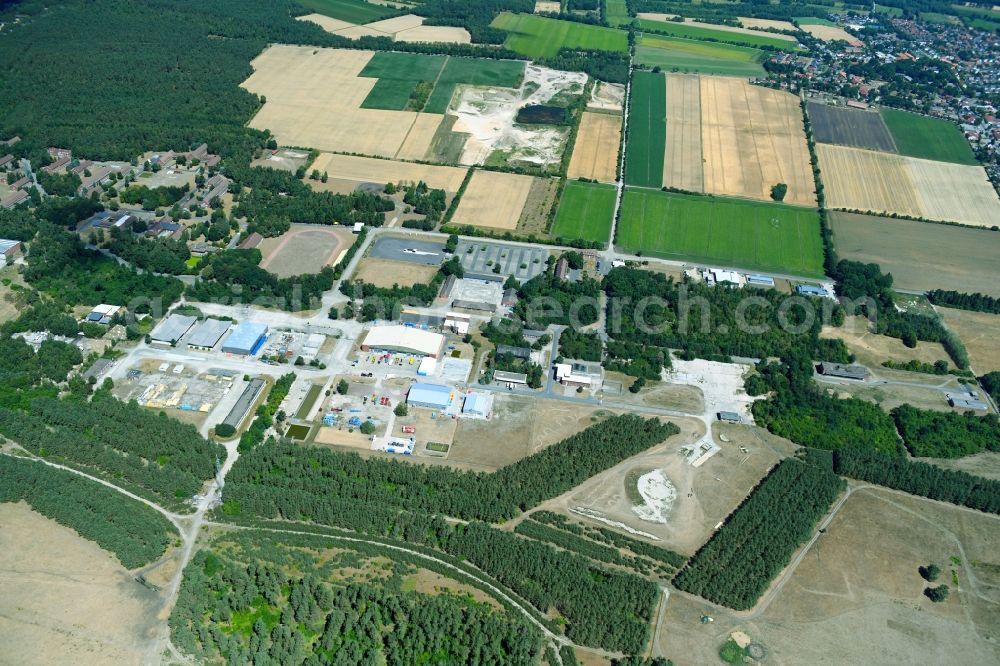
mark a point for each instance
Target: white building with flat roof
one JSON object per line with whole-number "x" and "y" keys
{"x": 404, "y": 339}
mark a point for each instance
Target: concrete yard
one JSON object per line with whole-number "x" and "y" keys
{"x": 427, "y": 253}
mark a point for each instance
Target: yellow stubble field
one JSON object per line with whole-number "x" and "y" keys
{"x": 683, "y": 166}
{"x": 595, "y": 153}
{"x": 494, "y": 200}
{"x": 752, "y": 139}
{"x": 867, "y": 180}
{"x": 374, "y": 170}
{"x": 314, "y": 98}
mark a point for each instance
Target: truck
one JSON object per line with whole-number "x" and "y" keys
{"x": 409, "y": 430}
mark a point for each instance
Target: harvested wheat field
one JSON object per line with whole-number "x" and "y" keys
{"x": 882, "y": 183}
{"x": 542, "y": 6}
{"x": 493, "y": 200}
{"x": 682, "y": 161}
{"x": 765, "y": 24}
{"x": 753, "y": 138}
{"x": 407, "y": 28}
{"x": 438, "y": 34}
{"x": 326, "y": 22}
{"x": 979, "y": 331}
{"x": 595, "y": 153}
{"x": 830, "y": 33}
{"x": 314, "y": 98}
{"x": 374, "y": 170}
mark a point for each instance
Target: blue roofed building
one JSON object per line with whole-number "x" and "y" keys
{"x": 432, "y": 396}
{"x": 246, "y": 339}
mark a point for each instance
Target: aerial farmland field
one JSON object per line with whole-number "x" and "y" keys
{"x": 921, "y": 255}
{"x": 493, "y": 199}
{"x": 473, "y": 71}
{"x": 585, "y": 211}
{"x": 702, "y": 31}
{"x": 595, "y": 154}
{"x": 728, "y": 232}
{"x": 647, "y": 130}
{"x": 866, "y": 180}
{"x": 928, "y": 138}
{"x": 352, "y": 11}
{"x": 683, "y": 165}
{"x": 689, "y": 55}
{"x": 541, "y": 37}
{"x": 850, "y": 127}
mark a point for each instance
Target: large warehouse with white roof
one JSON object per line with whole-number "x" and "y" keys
{"x": 405, "y": 339}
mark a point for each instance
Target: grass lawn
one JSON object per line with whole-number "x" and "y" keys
{"x": 647, "y": 130}
{"x": 698, "y": 32}
{"x": 473, "y": 71}
{"x": 585, "y": 211}
{"x": 399, "y": 73}
{"x": 929, "y": 138}
{"x": 541, "y": 37}
{"x": 730, "y": 232}
{"x": 617, "y": 12}
{"x": 352, "y": 11}
{"x": 689, "y": 55}
{"x": 813, "y": 20}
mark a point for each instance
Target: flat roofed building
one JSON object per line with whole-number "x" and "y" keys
{"x": 172, "y": 329}
{"x": 428, "y": 365}
{"x": 567, "y": 375}
{"x": 858, "y": 372}
{"x": 730, "y": 417}
{"x": 478, "y": 404}
{"x": 208, "y": 333}
{"x": 510, "y": 377}
{"x": 246, "y": 339}
{"x": 458, "y": 322}
{"x": 432, "y": 396}
{"x": 810, "y": 290}
{"x": 245, "y": 402}
{"x": 478, "y": 306}
{"x": 405, "y": 339}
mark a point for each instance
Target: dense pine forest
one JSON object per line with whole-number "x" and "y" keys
{"x": 132, "y": 532}
{"x": 758, "y": 539}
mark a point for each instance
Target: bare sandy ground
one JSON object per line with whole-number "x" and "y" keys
{"x": 63, "y": 600}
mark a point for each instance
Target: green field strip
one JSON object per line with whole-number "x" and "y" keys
{"x": 689, "y": 55}
{"x": 585, "y": 212}
{"x": 928, "y": 138}
{"x": 700, "y": 33}
{"x": 473, "y": 71}
{"x": 647, "y": 131}
{"x": 542, "y": 37}
{"x": 352, "y": 11}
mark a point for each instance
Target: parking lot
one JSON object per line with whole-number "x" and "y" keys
{"x": 426, "y": 253}
{"x": 482, "y": 257}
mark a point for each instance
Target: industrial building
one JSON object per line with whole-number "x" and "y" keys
{"x": 421, "y": 320}
{"x": 760, "y": 280}
{"x": 569, "y": 374}
{"x": 172, "y": 329}
{"x": 858, "y": 372}
{"x": 428, "y": 365}
{"x": 730, "y": 417}
{"x": 458, "y": 322}
{"x": 810, "y": 290}
{"x": 432, "y": 396}
{"x": 404, "y": 339}
{"x": 477, "y": 306}
{"x": 207, "y": 334}
{"x": 103, "y": 314}
{"x": 246, "y": 339}
{"x": 478, "y": 405}
{"x": 510, "y": 377}
{"x": 9, "y": 249}
{"x": 243, "y": 405}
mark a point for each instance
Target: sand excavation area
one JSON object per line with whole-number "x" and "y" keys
{"x": 866, "y": 180}
{"x": 606, "y": 97}
{"x": 314, "y": 99}
{"x": 407, "y": 28}
{"x": 486, "y": 116}
{"x": 494, "y": 200}
{"x": 765, "y": 128}
{"x": 595, "y": 153}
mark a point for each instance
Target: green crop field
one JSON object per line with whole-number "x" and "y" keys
{"x": 813, "y": 20}
{"x": 647, "y": 130}
{"x": 745, "y": 234}
{"x": 541, "y": 37}
{"x": 929, "y": 138}
{"x": 698, "y": 32}
{"x": 352, "y": 11}
{"x": 689, "y": 55}
{"x": 473, "y": 71}
{"x": 585, "y": 211}
{"x": 617, "y": 12}
{"x": 399, "y": 73}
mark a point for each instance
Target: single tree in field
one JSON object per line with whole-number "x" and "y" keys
{"x": 930, "y": 573}
{"x": 779, "y": 191}
{"x": 937, "y": 594}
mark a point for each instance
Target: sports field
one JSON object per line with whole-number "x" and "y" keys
{"x": 647, "y": 130}
{"x": 585, "y": 211}
{"x": 352, "y": 11}
{"x": 399, "y": 74}
{"x": 595, "y": 153}
{"x": 928, "y": 138}
{"x": 541, "y": 37}
{"x": 689, "y": 55}
{"x": 742, "y": 36}
{"x": 921, "y": 255}
{"x": 728, "y": 232}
